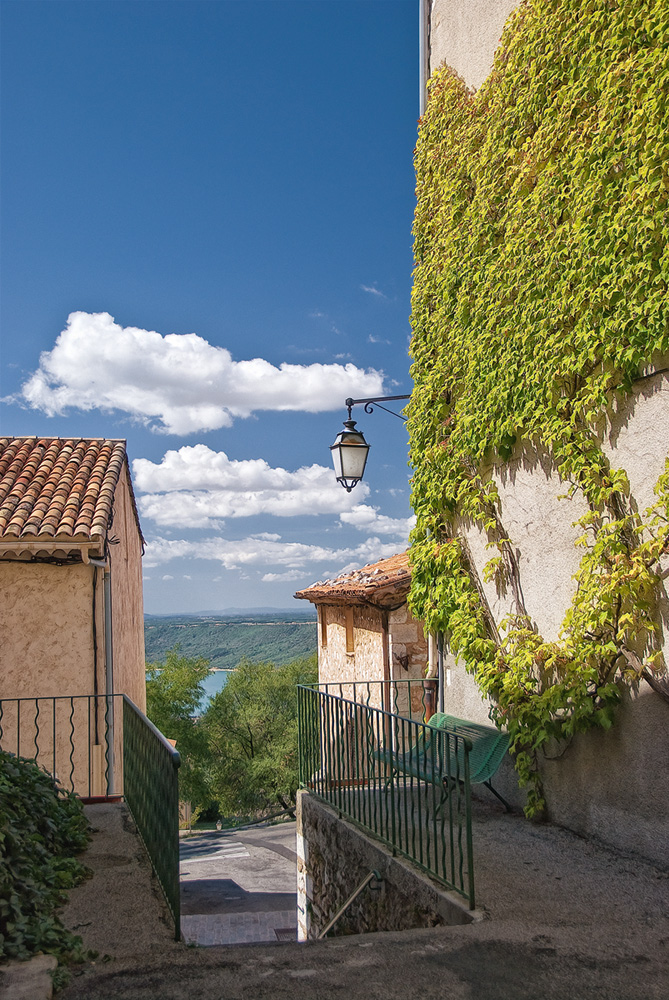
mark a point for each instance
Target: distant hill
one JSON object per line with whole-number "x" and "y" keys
{"x": 225, "y": 639}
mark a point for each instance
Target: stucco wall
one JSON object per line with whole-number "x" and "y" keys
{"x": 465, "y": 33}
{"x": 46, "y": 634}
{"x": 127, "y": 598}
{"x": 614, "y": 784}
{"x": 52, "y": 643}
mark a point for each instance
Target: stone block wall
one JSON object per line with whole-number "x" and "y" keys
{"x": 334, "y": 857}
{"x": 408, "y": 645}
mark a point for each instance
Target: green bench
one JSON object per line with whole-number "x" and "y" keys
{"x": 439, "y": 759}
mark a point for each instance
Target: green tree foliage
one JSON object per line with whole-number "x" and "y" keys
{"x": 540, "y": 297}
{"x": 42, "y": 828}
{"x": 251, "y": 727}
{"x": 174, "y": 690}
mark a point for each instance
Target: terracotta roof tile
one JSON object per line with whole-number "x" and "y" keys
{"x": 58, "y": 487}
{"x": 385, "y": 584}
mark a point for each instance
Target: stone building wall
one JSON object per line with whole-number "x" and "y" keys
{"x": 465, "y": 33}
{"x": 363, "y": 657}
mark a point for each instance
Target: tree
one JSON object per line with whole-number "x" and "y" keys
{"x": 251, "y": 727}
{"x": 174, "y": 692}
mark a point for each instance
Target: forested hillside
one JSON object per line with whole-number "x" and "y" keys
{"x": 224, "y": 640}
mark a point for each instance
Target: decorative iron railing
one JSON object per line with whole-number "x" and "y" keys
{"x": 103, "y": 746}
{"x": 76, "y": 738}
{"x": 400, "y": 779}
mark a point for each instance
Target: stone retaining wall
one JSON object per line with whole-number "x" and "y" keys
{"x": 334, "y": 857}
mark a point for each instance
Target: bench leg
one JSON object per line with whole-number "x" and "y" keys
{"x": 500, "y": 797}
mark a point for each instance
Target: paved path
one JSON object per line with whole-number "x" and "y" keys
{"x": 570, "y": 920}
{"x": 239, "y": 887}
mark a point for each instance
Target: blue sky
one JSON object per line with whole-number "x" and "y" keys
{"x": 206, "y": 246}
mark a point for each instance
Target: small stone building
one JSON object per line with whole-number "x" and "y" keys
{"x": 365, "y": 629}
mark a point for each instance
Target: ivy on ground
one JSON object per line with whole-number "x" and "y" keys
{"x": 42, "y": 827}
{"x": 540, "y": 297}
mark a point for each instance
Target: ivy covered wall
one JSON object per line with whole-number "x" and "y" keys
{"x": 540, "y": 327}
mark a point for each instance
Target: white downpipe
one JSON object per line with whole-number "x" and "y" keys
{"x": 423, "y": 53}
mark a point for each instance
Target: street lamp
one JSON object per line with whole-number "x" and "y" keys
{"x": 350, "y": 450}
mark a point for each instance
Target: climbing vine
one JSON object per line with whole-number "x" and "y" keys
{"x": 540, "y": 298}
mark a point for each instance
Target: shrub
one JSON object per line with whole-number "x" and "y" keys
{"x": 42, "y": 827}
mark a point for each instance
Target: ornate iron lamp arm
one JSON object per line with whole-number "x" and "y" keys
{"x": 377, "y": 401}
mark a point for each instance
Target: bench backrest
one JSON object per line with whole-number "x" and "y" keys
{"x": 489, "y": 745}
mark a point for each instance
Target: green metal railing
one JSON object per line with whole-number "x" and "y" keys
{"x": 151, "y": 788}
{"x": 102, "y": 746}
{"x": 396, "y": 777}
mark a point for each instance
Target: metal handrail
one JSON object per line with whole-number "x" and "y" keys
{"x": 399, "y": 779}
{"x": 351, "y": 899}
{"x": 151, "y": 787}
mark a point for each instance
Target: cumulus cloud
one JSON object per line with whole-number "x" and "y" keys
{"x": 366, "y": 518}
{"x": 264, "y": 553}
{"x": 199, "y": 487}
{"x": 179, "y": 383}
{"x": 371, "y": 290}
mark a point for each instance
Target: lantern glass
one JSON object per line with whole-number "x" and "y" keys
{"x": 349, "y": 455}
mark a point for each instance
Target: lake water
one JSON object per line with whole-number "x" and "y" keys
{"x": 214, "y": 683}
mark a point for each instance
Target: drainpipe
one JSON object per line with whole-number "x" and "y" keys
{"x": 432, "y": 677}
{"x": 385, "y": 638}
{"x": 105, "y": 564}
{"x": 440, "y": 672}
{"x": 423, "y": 52}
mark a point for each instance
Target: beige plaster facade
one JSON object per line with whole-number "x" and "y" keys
{"x": 52, "y": 618}
{"x": 464, "y": 34}
{"x": 615, "y": 784}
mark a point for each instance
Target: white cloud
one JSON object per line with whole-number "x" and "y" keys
{"x": 373, "y": 291}
{"x": 179, "y": 383}
{"x": 377, "y": 340}
{"x": 261, "y": 553}
{"x": 167, "y": 577}
{"x": 291, "y": 574}
{"x": 199, "y": 487}
{"x": 366, "y": 518}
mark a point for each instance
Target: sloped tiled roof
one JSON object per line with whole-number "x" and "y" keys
{"x": 385, "y": 584}
{"x": 58, "y": 488}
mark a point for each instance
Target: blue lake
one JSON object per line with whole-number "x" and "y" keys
{"x": 214, "y": 683}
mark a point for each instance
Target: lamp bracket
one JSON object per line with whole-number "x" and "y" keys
{"x": 376, "y": 400}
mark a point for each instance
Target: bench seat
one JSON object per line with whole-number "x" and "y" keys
{"x": 439, "y": 760}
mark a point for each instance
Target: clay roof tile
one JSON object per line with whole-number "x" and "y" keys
{"x": 384, "y": 584}
{"x": 59, "y": 487}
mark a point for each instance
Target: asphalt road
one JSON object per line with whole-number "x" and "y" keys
{"x": 239, "y": 886}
